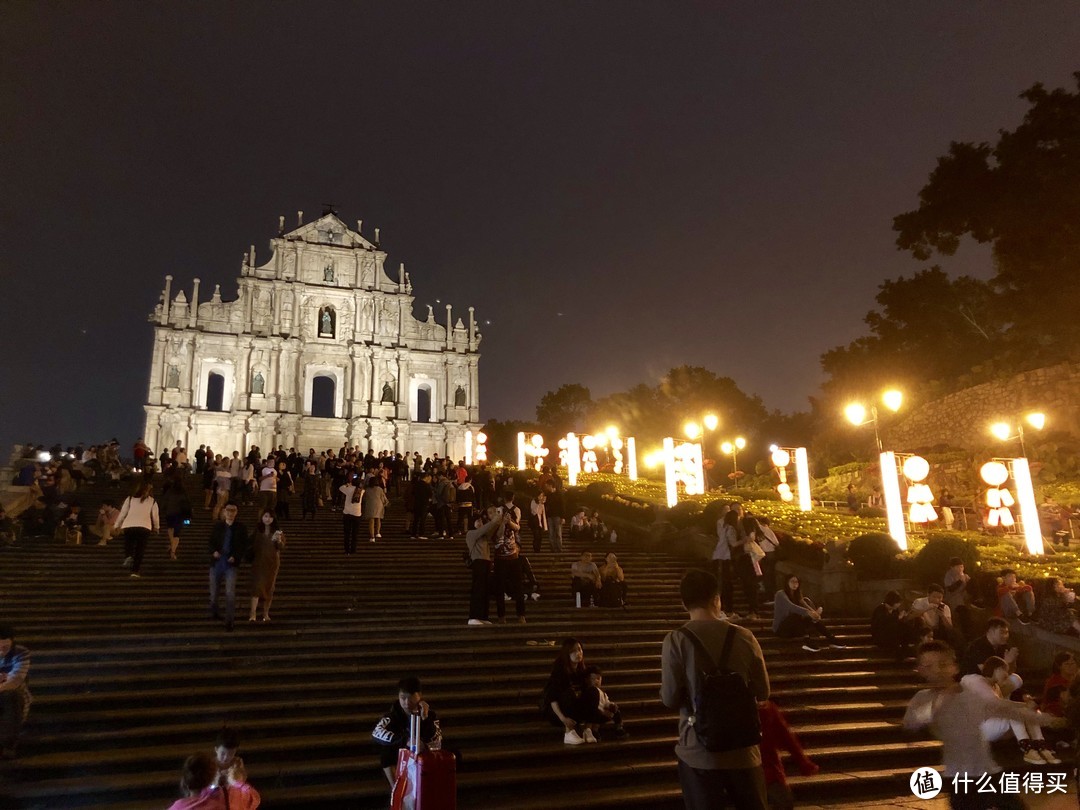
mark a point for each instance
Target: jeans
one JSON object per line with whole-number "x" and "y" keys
{"x": 555, "y": 532}
{"x": 508, "y": 581}
{"x": 743, "y": 789}
{"x": 11, "y": 717}
{"x": 1017, "y": 602}
{"x": 479, "y": 591}
{"x": 217, "y": 571}
{"x": 351, "y": 527}
{"x": 135, "y": 539}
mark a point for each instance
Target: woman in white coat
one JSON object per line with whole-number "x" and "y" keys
{"x": 373, "y": 506}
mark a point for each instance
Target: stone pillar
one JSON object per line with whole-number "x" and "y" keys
{"x": 274, "y": 383}
{"x": 193, "y": 318}
{"x": 189, "y": 392}
{"x": 449, "y": 328}
{"x": 167, "y": 302}
{"x": 472, "y": 329}
{"x": 243, "y": 385}
{"x": 275, "y": 311}
{"x": 474, "y": 390}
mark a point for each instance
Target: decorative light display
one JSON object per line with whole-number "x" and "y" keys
{"x": 1000, "y": 501}
{"x": 683, "y": 464}
{"x": 920, "y": 497}
{"x": 588, "y": 456}
{"x": 894, "y": 505}
{"x": 573, "y": 457}
{"x": 631, "y": 458}
{"x": 475, "y": 447}
{"x": 782, "y": 458}
{"x": 531, "y": 451}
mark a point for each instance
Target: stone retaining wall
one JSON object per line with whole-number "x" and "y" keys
{"x": 962, "y": 419}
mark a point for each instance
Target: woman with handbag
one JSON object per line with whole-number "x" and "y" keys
{"x": 795, "y": 615}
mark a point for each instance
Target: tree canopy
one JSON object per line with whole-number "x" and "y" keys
{"x": 1021, "y": 196}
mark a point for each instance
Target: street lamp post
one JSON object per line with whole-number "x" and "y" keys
{"x": 856, "y": 413}
{"x": 732, "y": 449}
{"x": 1003, "y": 430}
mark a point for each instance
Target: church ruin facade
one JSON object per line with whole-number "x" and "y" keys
{"x": 319, "y": 347}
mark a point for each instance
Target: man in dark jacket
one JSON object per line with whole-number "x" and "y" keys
{"x": 994, "y": 643}
{"x": 391, "y": 733}
{"x": 229, "y": 545}
{"x": 422, "y": 497}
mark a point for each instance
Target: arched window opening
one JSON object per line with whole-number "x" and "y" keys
{"x": 215, "y": 392}
{"x": 423, "y": 403}
{"x": 323, "y": 390}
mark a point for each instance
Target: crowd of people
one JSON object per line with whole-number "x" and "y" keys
{"x": 975, "y": 684}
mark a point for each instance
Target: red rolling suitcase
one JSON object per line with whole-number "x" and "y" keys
{"x": 425, "y": 781}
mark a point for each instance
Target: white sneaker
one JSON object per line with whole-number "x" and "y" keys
{"x": 476, "y": 622}
{"x": 589, "y": 736}
{"x": 573, "y": 738}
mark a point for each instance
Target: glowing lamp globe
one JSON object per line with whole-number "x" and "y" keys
{"x": 1001, "y": 430}
{"x": 916, "y": 468}
{"x": 994, "y": 473}
{"x": 727, "y": 447}
{"x": 892, "y": 400}
{"x": 611, "y": 431}
{"x": 692, "y": 430}
{"x": 616, "y": 443}
{"x": 1037, "y": 420}
{"x": 855, "y": 413}
{"x": 711, "y": 421}
{"x": 537, "y": 440}
{"x": 780, "y": 458}
{"x": 562, "y": 444}
{"x": 481, "y": 437}
{"x": 785, "y": 492}
{"x": 740, "y": 442}
{"x": 588, "y": 442}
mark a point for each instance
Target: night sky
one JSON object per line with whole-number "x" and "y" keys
{"x": 618, "y": 187}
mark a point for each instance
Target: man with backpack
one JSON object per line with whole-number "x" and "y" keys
{"x": 713, "y": 672}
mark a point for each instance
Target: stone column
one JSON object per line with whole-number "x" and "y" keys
{"x": 167, "y": 302}
{"x": 474, "y": 390}
{"x": 187, "y": 394}
{"x": 449, "y": 328}
{"x": 273, "y": 385}
{"x": 193, "y": 318}
{"x": 243, "y": 385}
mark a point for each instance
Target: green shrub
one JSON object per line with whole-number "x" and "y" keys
{"x": 712, "y": 512}
{"x": 932, "y": 561}
{"x": 684, "y": 514}
{"x": 599, "y": 488}
{"x": 803, "y": 552}
{"x": 873, "y": 555}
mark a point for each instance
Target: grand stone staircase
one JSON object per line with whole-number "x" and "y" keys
{"x": 129, "y": 677}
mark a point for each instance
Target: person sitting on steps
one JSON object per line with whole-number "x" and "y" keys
{"x": 612, "y": 583}
{"x": 391, "y": 733}
{"x": 569, "y": 700}
{"x": 1016, "y": 599}
{"x": 584, "y": 580}
{"x": 605, "y": 705}
{"x": 794, "y": 616}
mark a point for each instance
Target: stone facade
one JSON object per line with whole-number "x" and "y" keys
{"x": 962, "y": 419}
{"x": 320, "y": 347}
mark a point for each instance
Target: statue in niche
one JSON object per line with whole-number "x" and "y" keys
{"x": 258, "y": 384}
{"x": 459, "y": 397}
{"x": 387, "y": 393}
{"x": 328, "y": 273}
{"x": 172, "y": 379}
{"x": 326, "y": 323}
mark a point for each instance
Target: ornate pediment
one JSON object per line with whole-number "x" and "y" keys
{"x": 329, "y": 230}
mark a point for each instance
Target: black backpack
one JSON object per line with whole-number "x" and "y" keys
{"x": 725, "y": 714}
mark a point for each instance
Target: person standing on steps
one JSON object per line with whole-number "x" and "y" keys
{"x": 478, "y": 540}
{"x": 351, "y": 511}
{"x": 373, "y": 506}
{"x": 177, "y": 509}
{"x": 707, "y": 777}
{"x": 268, "y": 485}
{"x": 229, "y": 544}
{"x": 507, "y": 554}
{"x": 422, "y": 495}
{"x": 555, "y": 510}
{"x": 138, "y": 517}
{"x": 266, "y": 549}
{"x": 312, "y": 482}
